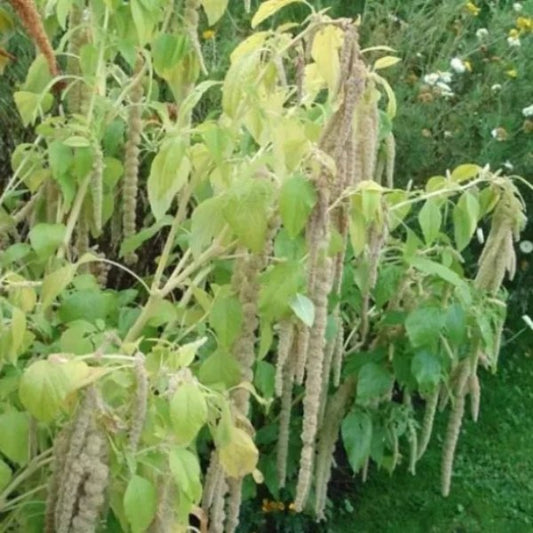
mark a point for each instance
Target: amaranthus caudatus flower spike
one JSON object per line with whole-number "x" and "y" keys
{"x": 32, "y": 22}
{"x": 131, "y": 157}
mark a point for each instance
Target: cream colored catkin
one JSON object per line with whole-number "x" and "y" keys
{"x": 191, "y": 18}
{"x": 474, "y": 390}
{"x": 78, "y": 37}
{"x": 453, "y": 429}
{"x": 218, "y": 512}
{"x": 131, "y": 157}
{"x": 61, "y": 443}
{"x": 327, "y": 439}
{"x": 282, "y": 445}
{"x": 233, "y": 504}
{"x": 138, "y": 414}
{"x": 72, "y": 470}
{"x": 285, "y": 343}
{"x": 212, "y": 478}
{"x": 81, "y": 244}
{"x": 313, "y": 382}
{"x": 427, "y": 423}
{"x": 390, "y": 148}
{"x": 91, "y": 497}
{"x": 97, "y": 189}
{"x": 413, "y": 447}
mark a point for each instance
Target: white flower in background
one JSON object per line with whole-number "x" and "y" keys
{"x": 517, "y": 6}
{"x": 448, "y": 134}
{"x": 431, "y": 79}
{"x": 444, "y": 88}
{"x": 445, "y": 76}
{"x": 480, "y": 236}
{"x": 508, "y": 165}
{"x": 496, "y": 87}
{"x": 526, "y": 247}
{"x": 482, "y": 33}
{"x": 528, "y": 111}
{"x": 458, "y": 65}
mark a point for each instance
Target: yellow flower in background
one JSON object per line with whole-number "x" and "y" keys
{"x": 524, "y": 24}
{"x": 467, "y": 65}
{"x": 208, "y": 34}
{"x": 472, "y": 8}
{"x": 512, "y": 73}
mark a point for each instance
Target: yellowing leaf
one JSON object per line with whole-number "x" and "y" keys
{"x": 268, "y": 8}
{"x": 250, "y": 44}
{"x": 214, "y": 9}
{"x": 465, "y": 172}
{"x": 391, "y": 104}
{"x": 386, "y": 62}
{"x": 55, "y": 282}
{"x": 168, "y": 174}
{"x": 324, "y": 51}
{"x": 239, "y": 456}
{"x": 313, "y": 83}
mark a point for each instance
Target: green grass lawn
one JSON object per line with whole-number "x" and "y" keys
{"x": 492, "y": 488}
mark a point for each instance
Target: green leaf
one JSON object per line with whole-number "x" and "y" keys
{"x": 436, "y": 269}
{"x": 304, "y": 309}
{"x": 264, "y": 377}
{"x": 424, "y": 325}
{"x": 140, "y": 503}
{"x": 88, "y": 60}
{"x": 130, "y": 244}
{"x": 279, "y": 287}
{"x": 465, "y": 218}
{"x": 188, "y": 412}
{"x": 29, "y": 105}
{"x": 455, "y": 324}
{"x": 246, "y": 211}
{"x": 386, "y": 62}
{"x": 62, "y": 10}
{"x": 357, "y": 437}
{"x": 268, "y": 8}
{"x": 75, "y": 339}
{"x": 185, "y": 469}
{"x": 214, "y": 9}
{"x": 43, "y": 389}
{"x": 54, "y": 283}
{"x": 464, "y": 172}
{"x": 60, "y": 159}
{"x": 87, "y": 305}
{"x": 226, "y": 319}
{"x": 5, "y": 475}
{"x": 17, "y": 331}
{"x": 168, "y": 174}
{"x": 14, "y": 436}
{"x": 167, "y": 51}
{"x": 430, "y": 220}
{"x": 186, "y": 353}
{"x": 426, "y": 367}
{"x": 373, "y": 382}
{"x": 220, "y": 367}
{"x": 296, "y": 201}
{"x": 206, "y": 222}
{"x": 143, "y": 20}
{"x": 46, "y": 238}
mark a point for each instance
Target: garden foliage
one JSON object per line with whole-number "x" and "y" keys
{"x": 172, "y": 283}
